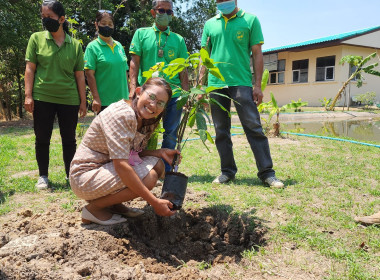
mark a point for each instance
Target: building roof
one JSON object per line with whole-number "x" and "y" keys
{"x": 330, "y": 39}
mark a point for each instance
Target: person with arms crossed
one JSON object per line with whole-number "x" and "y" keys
{"x": 155, "y": 44}
{"x": 106, "y": 65}
{"x": 54, "y": 86}
{"x": 230, "y": 37}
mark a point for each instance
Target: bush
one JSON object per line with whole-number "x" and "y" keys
{"x": 367, "y": 98}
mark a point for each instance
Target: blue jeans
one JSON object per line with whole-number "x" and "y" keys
{"x": 171, "y": 122}
{"x": 250, "y": 120}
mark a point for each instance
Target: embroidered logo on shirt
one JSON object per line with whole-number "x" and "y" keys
{"x": 240, "y": 35}
{"x": 171, "y": 53}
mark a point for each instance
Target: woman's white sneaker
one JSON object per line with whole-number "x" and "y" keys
{"x": 42, "y": 183}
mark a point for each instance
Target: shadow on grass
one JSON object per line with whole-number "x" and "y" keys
{"x": 239, "y": 181}
{"x": 59, "y": 187}
{"x": 211, "y": 235}
{"x": 16, "y": 130}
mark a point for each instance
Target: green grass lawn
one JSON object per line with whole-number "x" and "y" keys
{"x": 310, "y": 223}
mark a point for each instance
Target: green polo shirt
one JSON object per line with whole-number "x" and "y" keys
{"x": 231, "y": 41}
{"x": 54, "y": 79}
{"x": 110, "y": 65}
{"x": 146, "y": 42}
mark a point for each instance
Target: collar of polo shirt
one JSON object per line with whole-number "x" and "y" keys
{"x": 50, "y": 37}
{"x": 167, "y": 30}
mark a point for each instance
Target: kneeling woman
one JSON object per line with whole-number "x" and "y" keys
{"x": 111, "y": 166}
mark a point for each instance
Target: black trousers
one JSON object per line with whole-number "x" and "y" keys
{"x": 43, "y": 115}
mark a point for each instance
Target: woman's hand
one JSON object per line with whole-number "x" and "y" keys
{"x": 162, "y": 207}
{"x": 96, "y": 105}
{"x": 168, "y": 155}
{"x": 83, "y": 109}
{"x": 29, "y": 103}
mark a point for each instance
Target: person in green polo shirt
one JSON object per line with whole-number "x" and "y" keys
{"x": 159, "y": 44}
{"x": 106, "y": 65}
{"x": 54, "y": 86}
{"x": 231, "y": 37}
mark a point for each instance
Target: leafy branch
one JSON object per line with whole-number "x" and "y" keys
{"x": 193, "y": 101}
{"x": 359, "y": 62}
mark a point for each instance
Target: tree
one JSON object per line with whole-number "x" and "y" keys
{"x": 359, "y": 63}
{"x": 190, "y": 19}
{"x": 18, "y": 20}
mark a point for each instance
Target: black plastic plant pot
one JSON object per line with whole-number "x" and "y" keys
{"x": 174, "y": 188}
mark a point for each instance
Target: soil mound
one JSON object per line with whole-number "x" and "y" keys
{"x": 55, "y": 245}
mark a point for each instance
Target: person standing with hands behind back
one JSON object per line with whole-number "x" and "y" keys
{"x": 54, "y": 85}
{"x": 231, "y": 36}
{"x": 106, "y": 65}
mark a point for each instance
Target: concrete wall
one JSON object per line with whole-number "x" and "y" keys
{"x": 312, "y": 91}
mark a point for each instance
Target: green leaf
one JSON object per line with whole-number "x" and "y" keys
{"x": 147, "y": 74}
{"x": 374, "y": 72}
{"x": 211, "y": 89}
{"x": 191, "y": 121}
{"x": 205, "y": 114}
{"x": 194, "y": 56}
{"x": 197, "y": 91}
{"x": 209, "y": 137}
{"x": 203, "y": 135}
{"x": 175, "y": 72}
{"x": 264, "y": 80}
{"x": 201, "y": 122}
{"x": 177, "y": 61}
{"x": 204, "y": 54}
{"x": 182, "y": 100}
{"x": 213, "y": 100}
{"x": 216, "y": 72}
{"x": 274, "y": 101}
{"x": 208, "y": 63}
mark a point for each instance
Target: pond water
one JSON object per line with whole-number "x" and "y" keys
{"x": 360, "y": 130}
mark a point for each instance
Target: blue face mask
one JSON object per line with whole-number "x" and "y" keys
{"x": 226, "y": 7}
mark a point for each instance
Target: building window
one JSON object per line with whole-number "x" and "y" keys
{"x": 325, "y": 68}
{"x": 271, "y": 61}
{"x": 300, "y": 71}
{"x": 278, "y": 76}
{"x": 351, "y": 71}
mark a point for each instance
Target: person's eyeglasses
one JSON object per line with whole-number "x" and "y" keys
{"x": 153, "y": 98}
{"x": 105, "y": 11}
{"x": 163, "y": 11}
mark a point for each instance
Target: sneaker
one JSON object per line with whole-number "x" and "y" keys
{"x": 42, "y": 183}
{"x": 274, "y": 182}
{"x": 369, "y": 220}
{"x": 222, "y": 179}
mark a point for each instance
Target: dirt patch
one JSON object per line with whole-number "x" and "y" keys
{"x": 31, "y": 173}
{"x": 55, "y": 245}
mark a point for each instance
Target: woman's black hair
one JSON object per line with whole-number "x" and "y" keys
{"x": 59, "y": 10}
{"x": 101, "y": 13}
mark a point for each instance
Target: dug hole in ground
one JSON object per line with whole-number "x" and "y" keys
{"x": 53, "y": 244}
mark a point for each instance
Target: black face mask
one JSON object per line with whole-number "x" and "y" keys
{"x": 105, "y": 31}
{"x": 51, "y": 25}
